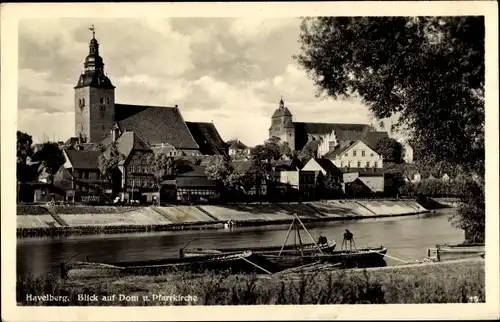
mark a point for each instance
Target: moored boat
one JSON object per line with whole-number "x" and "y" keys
{"x": 443, "y": 252}
{"x": 235, "y": 262}
{"x": 366, "y": 257}
{"x": 309, "y": 249}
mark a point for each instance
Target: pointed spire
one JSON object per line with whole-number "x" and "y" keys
{"x": 282, "y": 104}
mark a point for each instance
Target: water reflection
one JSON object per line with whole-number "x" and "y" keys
{"x": 405, "y": 237}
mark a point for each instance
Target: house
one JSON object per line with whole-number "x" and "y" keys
{"x": 193, "y": 184}
{"x": 355, "y": 155}
{"x": 325, "y": 137}
{"x": 80, "y": 176}
{"x": 372, "y": 178}
{"x": 325, "y": 166}
{"x": 134, "y": 171}
{"x": 237, "y": 148}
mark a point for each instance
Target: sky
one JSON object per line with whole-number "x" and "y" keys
{"x": 228, "y": 71}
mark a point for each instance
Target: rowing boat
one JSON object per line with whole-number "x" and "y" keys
{"x": 235, "y": 262}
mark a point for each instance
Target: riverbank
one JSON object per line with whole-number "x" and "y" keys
{"x": 73, "y": 220}
{"x": 447, "y": 282}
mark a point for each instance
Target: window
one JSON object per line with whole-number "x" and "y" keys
{"x": 130, "y": 183}
{"x": 359, "y": 164}
{"x": 363, "y": 153}
{"x": 349, "y": 164}
{"x": 83, "y": 102}
{"x": 144, "y": 183}
{"x": 354, "y": 153}
{"x": 367, "y": 164}
{"x": 108, "y": 100}
{"x": 375, "y": 164}
{"x": 341, "y": 164}
{"x": 102, "y": 100}
{"x": 371, "y": 154}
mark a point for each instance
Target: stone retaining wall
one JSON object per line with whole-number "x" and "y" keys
{"x": 210, "y": 214}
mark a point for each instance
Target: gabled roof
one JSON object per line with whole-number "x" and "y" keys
{"x": 236, "y": 145}
{"x": 85, "y": 159}
{"x": 328, "y": 166}
{"x": 337, "y": 151}
{"x": 207, "y": 137}
{"x": 155, "y": 124}
{"x": 129, "y": 141}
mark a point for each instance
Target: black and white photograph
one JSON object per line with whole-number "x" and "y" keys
{"x": 262, "y": 158}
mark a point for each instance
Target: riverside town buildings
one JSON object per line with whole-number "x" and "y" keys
{"x": 346, "y": 152}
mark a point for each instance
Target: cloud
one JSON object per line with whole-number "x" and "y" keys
{"x": 229, "y": 71}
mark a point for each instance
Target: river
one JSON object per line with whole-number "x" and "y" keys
{"x": 406, "y": 238}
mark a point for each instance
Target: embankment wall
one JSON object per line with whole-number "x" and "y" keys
{"x": 44, "y": 220}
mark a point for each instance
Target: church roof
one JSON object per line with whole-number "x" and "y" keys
{"x": 155, "y": 125}
{"x": 94, "y": 80}
{"x": 326, "y": 128}
{"x": 207, "y": 137}
{"x": 312, "y": 145}
{"x": 282, "y": 112}
{"x": 372, "y": 138}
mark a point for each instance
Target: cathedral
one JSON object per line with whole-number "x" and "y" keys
{"x": 320, "y": 138}
{"x": 98, "y": 118}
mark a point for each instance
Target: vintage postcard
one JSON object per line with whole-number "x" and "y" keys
{"x": 212, "y": 161}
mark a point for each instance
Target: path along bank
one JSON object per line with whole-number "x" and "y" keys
{"x": 72, "y": 220}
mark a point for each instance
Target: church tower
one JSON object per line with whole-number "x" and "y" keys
{"x": 282, "y": 125}
{"x": 94, "y": 98}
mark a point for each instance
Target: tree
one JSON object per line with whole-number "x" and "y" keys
{"x": 428, "y": 71}
{"x": 24, "y": 150}
{"x": 305, "y": 155}
{"x": 271, "y": 150}
{"x": 332, "y": 186}
{"x": 108, "y": 160}
{"x": 390, "y": 149}
{"x": 163, "y": 167}
{"x": 51, "y": 157}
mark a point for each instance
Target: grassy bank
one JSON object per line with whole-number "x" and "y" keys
{"x": 443, "y": 283}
